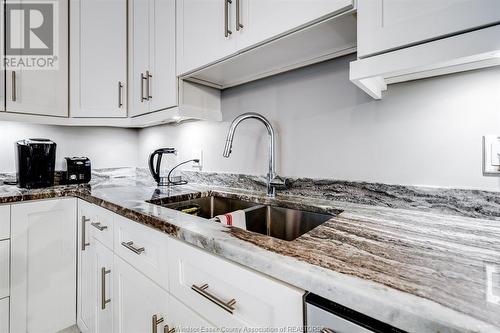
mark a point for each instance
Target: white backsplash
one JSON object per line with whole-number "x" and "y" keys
{"x": 427, "y": 132}
{"x": 106, "y": 147}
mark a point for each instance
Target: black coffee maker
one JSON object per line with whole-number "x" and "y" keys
{"x": 35, "y": 162}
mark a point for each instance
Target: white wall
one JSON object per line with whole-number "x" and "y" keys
{"x": 106, "y": 147}
{"x": 427, "y": 132}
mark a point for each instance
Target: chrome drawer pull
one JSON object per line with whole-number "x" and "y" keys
{"x": 154, "y": 323}
{"x": 167, "y": 329}
{"x": 202, "y": 290}
{"x": 14, "y": 87}
{"x": 84, "y": 244}
{"x": 149, "y": 76}
{"x": 131, "y": 247}
{"x": 120, "y": 98}
{"x": 227, "y": 32}
{"x": 143, "y": 80}
{"x": 104, "y": 301}
{"x": 239, "y": 26}
{"x": 326, "y": 330}
{"x": 98, "y": 226}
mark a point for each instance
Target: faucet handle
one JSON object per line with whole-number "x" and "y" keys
{"x": 280, "y": 183}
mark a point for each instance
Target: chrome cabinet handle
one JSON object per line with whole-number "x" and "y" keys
{"x": 131, "y": 247}
{"x": 239, "y": 26}
{"x": 84, "y": 244}
{"x": 144, "y": 79}
{"x": 154, "y": 323}
{"x": 327, "y": 330}
{"x": 98, "y": 226}
{"x": 104, "y": 301}
{"x": 120, "y": 94}
{"x": 202, "y": 290}
{"x": 227, "y": 32}
{"x": 167, "y": 329}
{"x": 14, "y": 87}
{"x": 149, "y": 76}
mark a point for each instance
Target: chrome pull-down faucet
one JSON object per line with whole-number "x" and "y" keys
{"x": 273, "y": 180}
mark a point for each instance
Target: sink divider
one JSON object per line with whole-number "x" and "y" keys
{"x": 249, "y": 209}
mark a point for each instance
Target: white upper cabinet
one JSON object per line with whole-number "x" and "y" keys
{"x": 260, "y": 20}
{"x": 203, "y": 36}
{"x": 210, "y": 30}
{"x": 98, "y": 50}
{"x": 2, "y": 70}
{"x": 225, "y": 43}
{"x": 408, "y": 40}
{"x": 390, "y": 24}
{"x": 41, "y": 91}
{"x": 153, "y": 83}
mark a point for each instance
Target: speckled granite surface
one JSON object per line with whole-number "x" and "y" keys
{"x": 418, "y": 270}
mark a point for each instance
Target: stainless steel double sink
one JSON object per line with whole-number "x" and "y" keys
{"x": 268, "y": 219}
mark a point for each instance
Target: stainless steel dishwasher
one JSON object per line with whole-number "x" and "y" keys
{"x": 325, "y": 316}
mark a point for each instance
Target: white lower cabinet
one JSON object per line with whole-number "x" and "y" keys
{"x": 4, "y": 315}
{"x": 151, "y": 282}
{"x": 4, "y": 221}
{"x": 43, "y": 266}
{"x": 4, "y": 268}
{"x": 142, "y": 247}
{"x": 103, "y": 280}
{"x": 229, "y": 295}
{"x": 140, "y": 305}
{"x": 95, "y": 269}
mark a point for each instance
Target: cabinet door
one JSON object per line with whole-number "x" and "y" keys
{"x": 2, "y": 70}
{"x": 138, "y": 299}
{"x": 43, "y": 266}
{"x": 163, "y": 81}
{"x": 86, "y": 288}
{"x": 200, "y": 33}
{"x": 263, "y": 19}
{"x": 139, "y": 50}
{"x": 4, "y": 315}
{"x": 104, "y": 300}
{"x": 4, "y": 268}
{"x": 389, "y": 24}
{"x": 41, "y": 91}
{"x": 98, "y": 49}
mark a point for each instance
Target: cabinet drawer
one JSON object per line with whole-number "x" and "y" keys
{"x": 4, "y": 222}
{"x": 98, "y": 222}
{"x": 4, "y": 268}
{"x": 204, "y": 282}
{"x": 4, "y": 315}
{"x": 143, "y": 248}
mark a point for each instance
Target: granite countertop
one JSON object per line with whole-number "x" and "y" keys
{"x": 420, "y": 271}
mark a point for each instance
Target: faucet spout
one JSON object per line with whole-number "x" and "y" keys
{"x": 271, "y": 188}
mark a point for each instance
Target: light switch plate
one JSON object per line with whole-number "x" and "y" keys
{"x": 492, "y": 284}
{"x": 491, "y": 155}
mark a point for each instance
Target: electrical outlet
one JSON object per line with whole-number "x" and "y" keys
{"x": 491, "y": 155}
{"x": 197, "y": 154}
